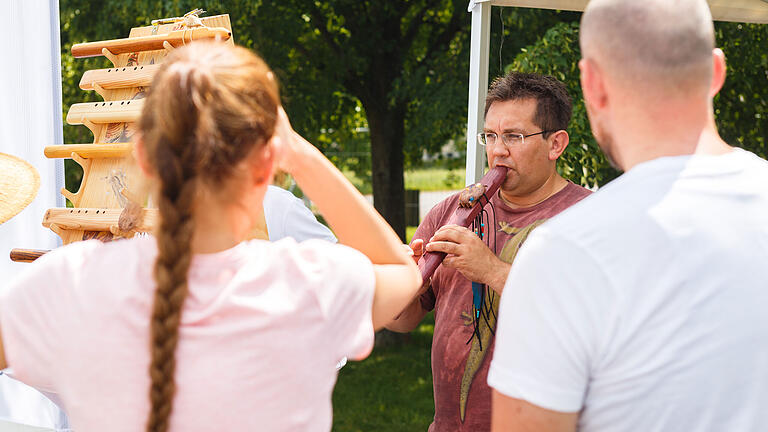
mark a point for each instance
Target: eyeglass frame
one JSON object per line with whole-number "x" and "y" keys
{"x": 481, "y": 137}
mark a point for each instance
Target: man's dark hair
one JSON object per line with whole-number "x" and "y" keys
{"x": 553, "y": 105}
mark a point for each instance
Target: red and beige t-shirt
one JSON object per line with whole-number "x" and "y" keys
{"x": 450, "y": 296}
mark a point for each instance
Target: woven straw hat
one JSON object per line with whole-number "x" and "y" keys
{"x": 19, "y": 182}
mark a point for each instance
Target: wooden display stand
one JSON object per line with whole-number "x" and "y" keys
{"x": 111, "y": 179}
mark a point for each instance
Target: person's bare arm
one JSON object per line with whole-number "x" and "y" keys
{"x": 354, "y": 221}
{"x": 409, "y": 318}
{"x": 412, "y": 315}
{"x": 515, "y": 415}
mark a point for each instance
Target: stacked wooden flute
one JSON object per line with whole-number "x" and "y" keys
{"x": 112, "y": 201}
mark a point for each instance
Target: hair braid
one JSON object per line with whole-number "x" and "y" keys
{"x": 209, "y": 106}
{"x": 178, "y": 181}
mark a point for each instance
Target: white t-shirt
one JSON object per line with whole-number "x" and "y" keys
{"x": 645, "y": 306}
{"x": 287, "y": 216}
{"x": 262, "y": 330}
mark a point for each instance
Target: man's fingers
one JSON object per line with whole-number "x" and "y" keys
{"x": 453, "y": 233}
{"x": 443, "y": 246}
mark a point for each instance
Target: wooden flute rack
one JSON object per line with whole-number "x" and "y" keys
{"x": 112, "y": 181}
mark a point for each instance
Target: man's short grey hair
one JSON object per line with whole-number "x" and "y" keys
{"x": 665, "y": 43}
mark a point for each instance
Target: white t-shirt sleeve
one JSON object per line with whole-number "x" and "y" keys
{"x": 287, "y": 216}
{"x": 301, "y": 224}
{"x": 551, "y": 320}
{"x": 34, "y": 309}
{"x": 345, "y": 296}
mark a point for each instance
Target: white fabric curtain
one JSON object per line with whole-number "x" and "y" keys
{"x": 30, "y": 119}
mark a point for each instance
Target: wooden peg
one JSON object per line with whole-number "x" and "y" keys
{"x": 68, "y": 195}
{"x": 108, "y": 54}
{"x": 99, "y": 89}
{"x": 90, "y": 125}
{"x": 168, "y": 47}
{"x": 80, "y": 160}
{"x": 57, "y": 229}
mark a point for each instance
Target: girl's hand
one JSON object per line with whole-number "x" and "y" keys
{"x": 291, "y": 148}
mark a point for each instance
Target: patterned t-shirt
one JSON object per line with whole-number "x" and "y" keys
{"x": 459, "y": 366}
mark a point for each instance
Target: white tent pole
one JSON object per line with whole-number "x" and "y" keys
{"x": 478, "y": 88}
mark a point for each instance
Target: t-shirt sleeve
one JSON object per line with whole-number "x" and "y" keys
{"x": 551, "y": 321}
{"x": 287, "y": 216}
{"x": 345, "y": 295}
{"x": 32, "y": 309}
{"x": 302, "y": 225}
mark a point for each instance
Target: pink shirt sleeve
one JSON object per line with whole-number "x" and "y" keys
{"x": 36, "y": 309}
{"x": 345, "y": 296}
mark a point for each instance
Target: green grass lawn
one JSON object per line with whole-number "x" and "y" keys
{"x": 432, "y": 179}
{"x": 425, "y": 179}
{"x": 391, "y": 390}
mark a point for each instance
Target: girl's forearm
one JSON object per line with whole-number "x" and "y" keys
{"x": 354, "y": 221}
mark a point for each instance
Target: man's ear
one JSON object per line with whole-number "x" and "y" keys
{"x": 558, "y": 141}
{"x": 140, "y": 154}
{"x": 593, "y": 84}
{"x": 719, "y": 71}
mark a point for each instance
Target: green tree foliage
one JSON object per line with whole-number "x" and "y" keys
{"x": 741, "y": 107}
{"x": 557, "y": 53}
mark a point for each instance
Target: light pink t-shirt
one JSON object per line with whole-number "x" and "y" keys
{"x": 262, "y": 330}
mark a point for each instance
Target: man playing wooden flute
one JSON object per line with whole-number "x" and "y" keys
{"x": 525, "y": 120}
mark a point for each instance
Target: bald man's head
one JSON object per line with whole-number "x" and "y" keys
{"x": 652, "y": 44}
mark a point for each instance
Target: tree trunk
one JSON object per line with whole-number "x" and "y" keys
{"x": 387, "y": 131}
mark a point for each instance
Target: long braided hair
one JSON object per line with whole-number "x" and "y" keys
{"x": 209, "y": 107}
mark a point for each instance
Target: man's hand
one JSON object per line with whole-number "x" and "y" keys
{"x": 417, "y": 250}
{"x": 470, "y": 256}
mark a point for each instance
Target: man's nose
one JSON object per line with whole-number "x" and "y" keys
{"x": 500, "y": 149}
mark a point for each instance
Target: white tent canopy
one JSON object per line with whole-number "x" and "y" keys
{"x": 751, "y": 11}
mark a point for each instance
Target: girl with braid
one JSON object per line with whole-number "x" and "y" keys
{"x": 195, "y": 329}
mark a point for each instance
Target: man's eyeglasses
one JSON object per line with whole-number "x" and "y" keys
{"x": 509, "y": 139}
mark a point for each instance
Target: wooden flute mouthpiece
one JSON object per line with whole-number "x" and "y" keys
{"x": 463, "y": 216}
{"x": 176, "y": 38}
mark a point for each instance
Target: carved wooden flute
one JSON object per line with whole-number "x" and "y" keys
{"x": 463, "y": 216}
{"x": 119, "y": 77}
{"x": 94, "y": 219}
{"x": 105, "y": 112}
{"x": 176, "y": 38}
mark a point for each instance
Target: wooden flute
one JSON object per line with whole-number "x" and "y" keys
{"x": 477, "y": 196}
{"x": 176, "y": 38}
